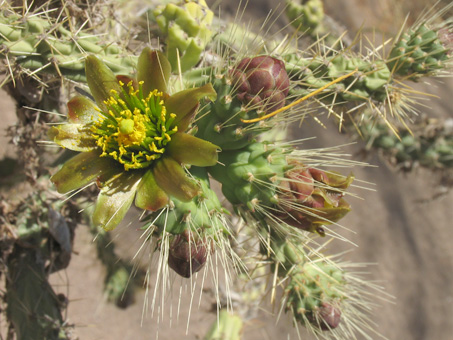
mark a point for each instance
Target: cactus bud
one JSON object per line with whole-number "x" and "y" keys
{"x": 261, "y": 81}
{"x": 328, "y": 316}
{"x": 187, "y": 254}
{"x": 311, "y": 198}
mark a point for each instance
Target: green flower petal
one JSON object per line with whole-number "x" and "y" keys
{"x": 171, "y": 177}
{"x": 149, "y": 195}
{"x": 185, "y": 103}
{"x": 189, "y": 149}
{"x": 154, "y": 69}
{"x": 82, "y": 110}
{"x": 329, "y": 215}
{"x": 75, "y": 137}
{"x": 101, "y": 80}
{"x": 82, "y": 170}
{"x": 115, "y": 199}
{"x": 332, "y": 178}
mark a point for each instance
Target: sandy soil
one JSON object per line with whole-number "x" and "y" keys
{"x": 399, "y": 228}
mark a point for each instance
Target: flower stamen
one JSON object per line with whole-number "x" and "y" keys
{"x": 135, "y": 129}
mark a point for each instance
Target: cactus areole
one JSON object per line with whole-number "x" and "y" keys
{"x": 261, "y": 81}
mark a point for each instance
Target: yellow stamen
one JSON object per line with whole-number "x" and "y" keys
{"x": 298, "y": 101}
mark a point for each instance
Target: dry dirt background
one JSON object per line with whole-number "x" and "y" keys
{"x": 398, "y": 227}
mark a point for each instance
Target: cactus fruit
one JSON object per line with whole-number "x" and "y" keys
{"x": 311, "y": 198}
{"x": 419, "y": 52}
{"x": 187, "y": 30}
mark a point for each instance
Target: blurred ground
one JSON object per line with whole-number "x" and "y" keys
{"x": 399, "y": 228}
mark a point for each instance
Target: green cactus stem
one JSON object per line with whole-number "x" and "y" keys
{"x": 420, "y": 52}
{"x": 33, "y": 308}
{"x": 187, "y": 30}
{"x": 38, "y": 45}
{"x": 430, "y": 143}
{"x": 227, "y": 327}
{"x": 369, "y": 82}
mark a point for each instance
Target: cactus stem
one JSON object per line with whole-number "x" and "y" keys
{"x": 300, "y": 100}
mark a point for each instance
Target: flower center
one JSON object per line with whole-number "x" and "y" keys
{"x": 135, "y": 129}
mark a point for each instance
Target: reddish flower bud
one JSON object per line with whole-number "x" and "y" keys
{"x": 328, "y": 316}
{"x": 187, "y": 255}
{"x": 261, "y": 81}
{"x": 311, "y": 198}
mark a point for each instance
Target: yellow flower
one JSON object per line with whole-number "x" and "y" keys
{"x": 132, "y": 140}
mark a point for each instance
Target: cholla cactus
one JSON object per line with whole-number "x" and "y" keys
{"x": 138, "y": 142}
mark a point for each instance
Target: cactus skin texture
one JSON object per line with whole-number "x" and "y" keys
{"x": 37, "y": 44}
{"x": 245, "y": 170}
{"x": 187, "y": 30}
{"x": 252, "y": 88}
{"x": 418, "y": 52}
{"x": 312, "y": 294}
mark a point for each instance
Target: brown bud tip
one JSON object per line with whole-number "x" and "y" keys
{"x": 261, "y": 81}
{"x": 187, "y": 256}
{"x": 329, "y": 316}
